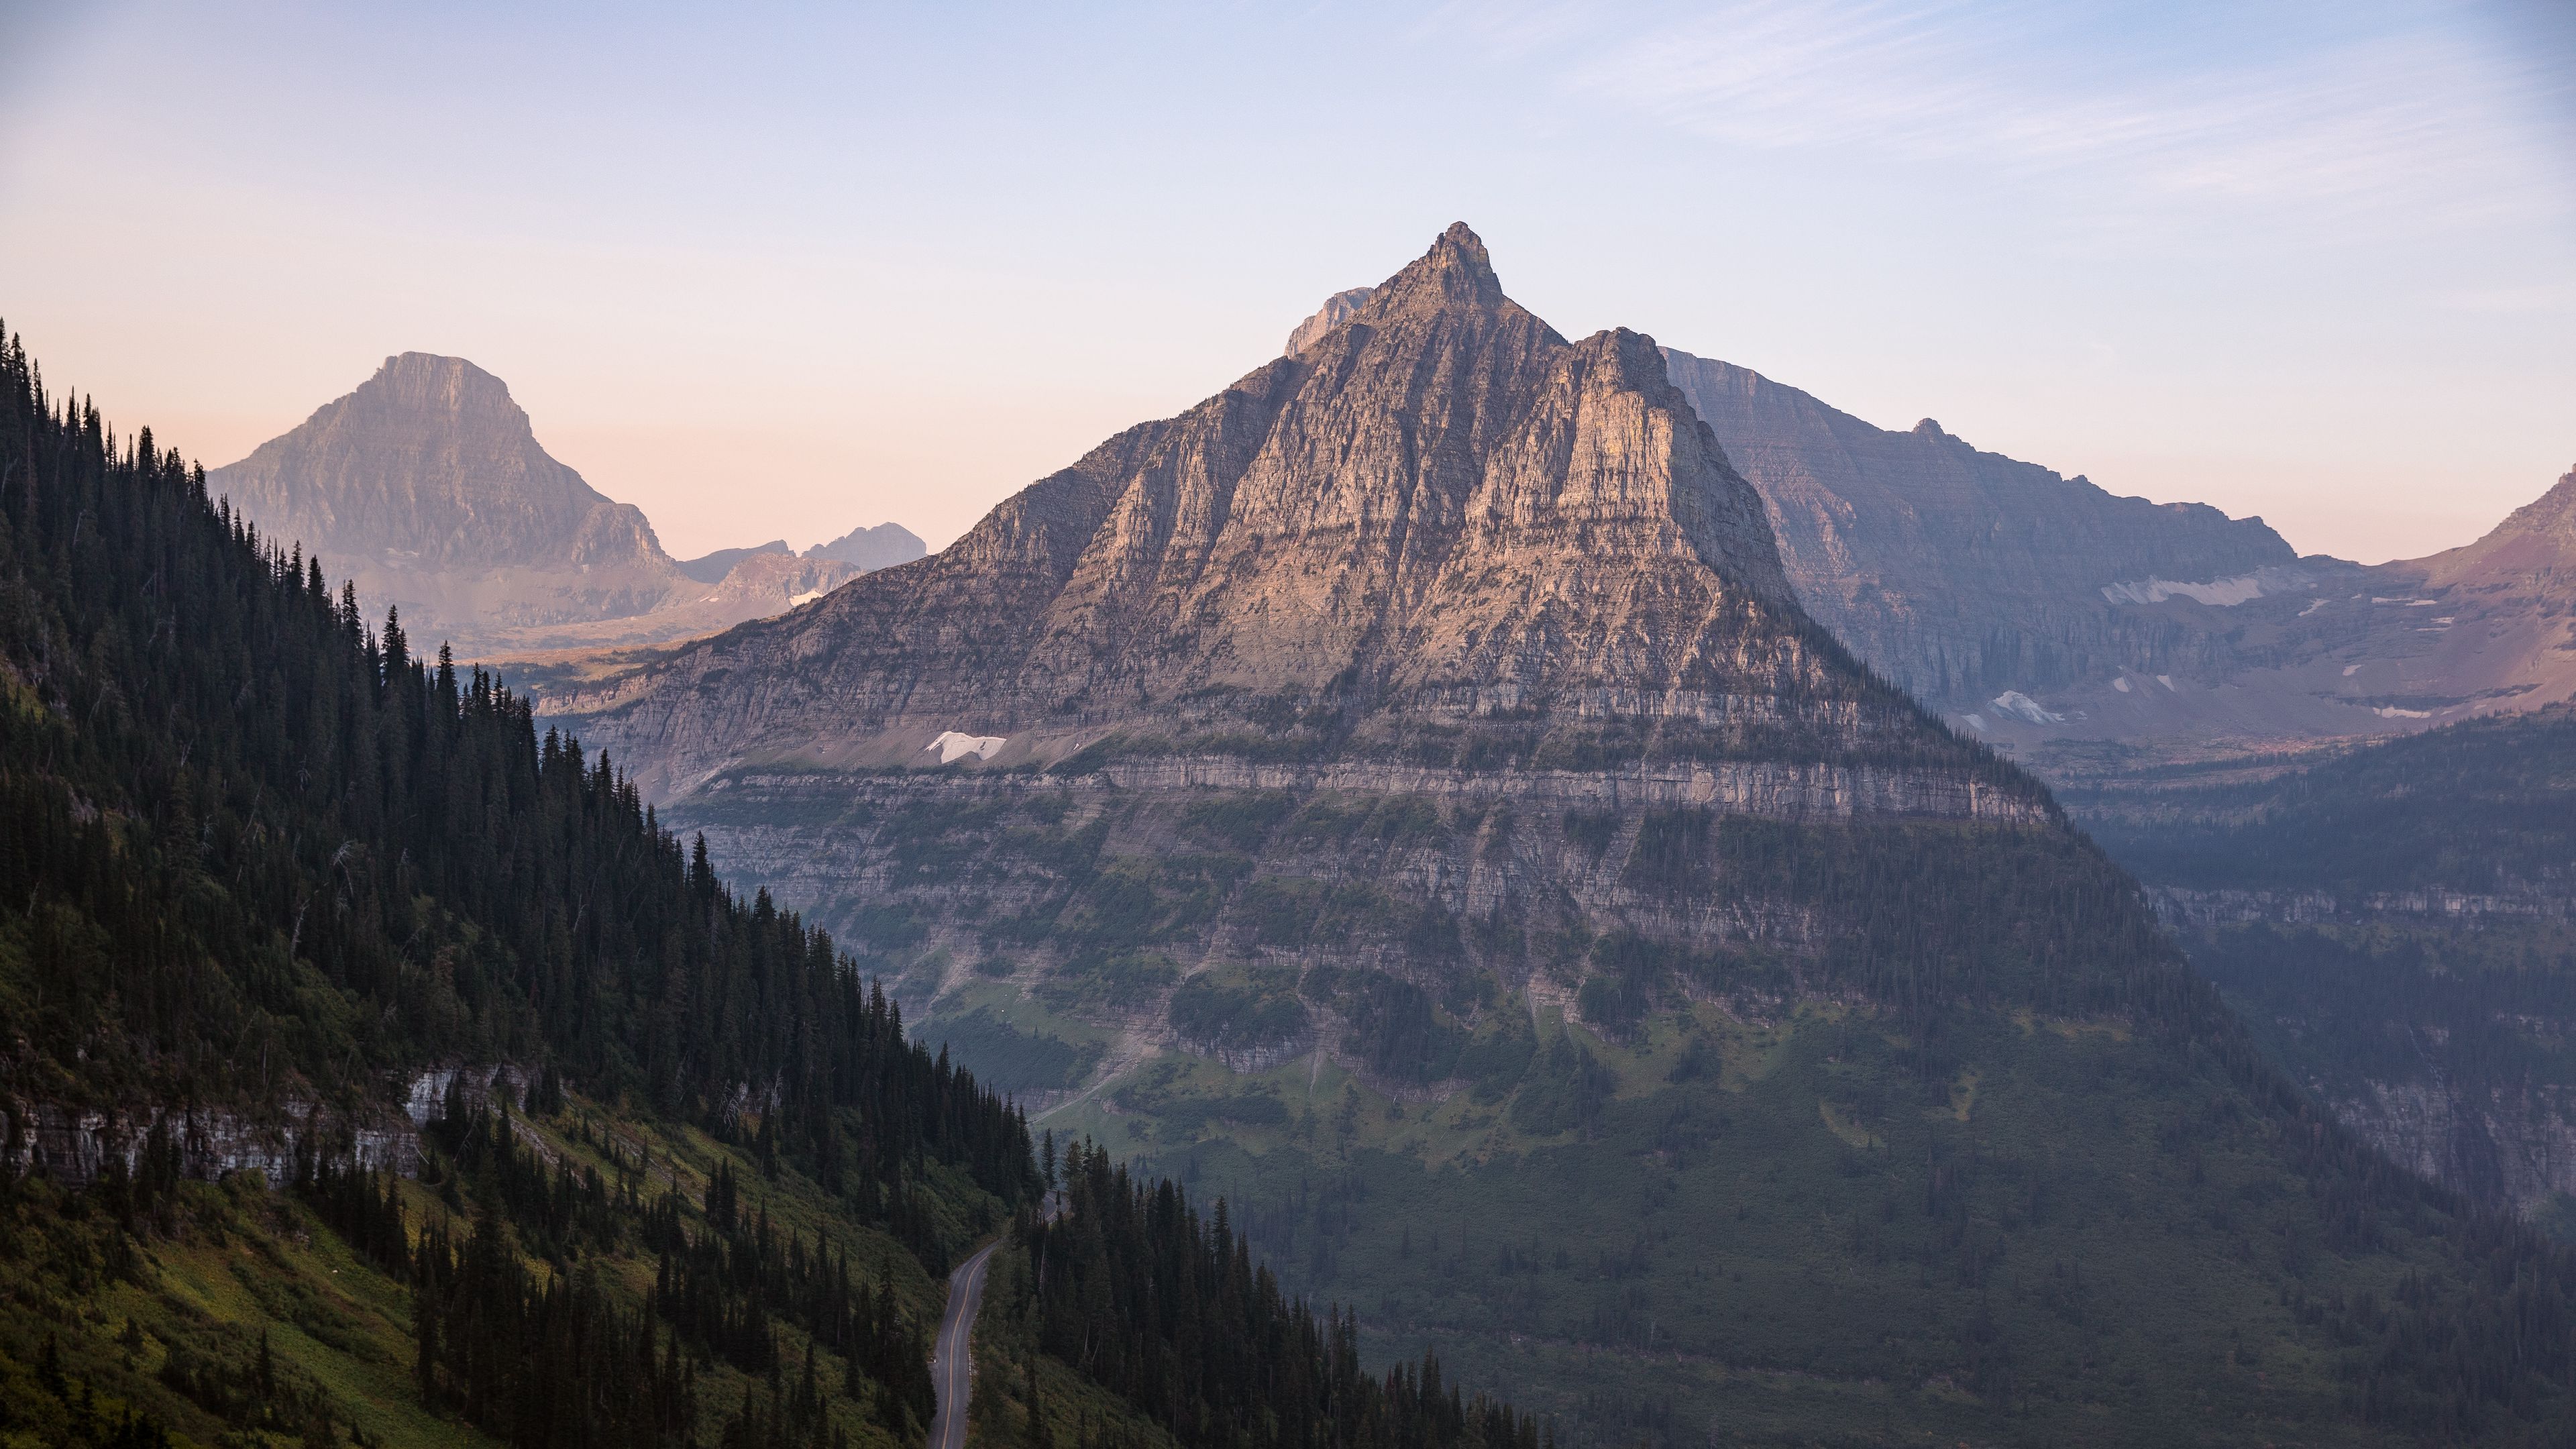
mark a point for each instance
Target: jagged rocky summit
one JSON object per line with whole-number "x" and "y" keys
{"x": 1444, "y": 563}
{"x": 426, "y": 486}
{"x": 1442, "y": 516}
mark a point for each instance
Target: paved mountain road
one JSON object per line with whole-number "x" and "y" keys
{"x": 952, "y": 1369}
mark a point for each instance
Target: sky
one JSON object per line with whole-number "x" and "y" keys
{"x": 778, "y": 271}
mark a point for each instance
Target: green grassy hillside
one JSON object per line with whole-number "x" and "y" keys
{"x": 236, "y": 1312}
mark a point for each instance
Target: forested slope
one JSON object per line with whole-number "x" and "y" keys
{"x": 380, "y": 1071}
{"x": 2399, "y": 922}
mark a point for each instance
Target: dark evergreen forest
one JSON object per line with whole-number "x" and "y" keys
{"x": 1134, "y": 1289}
{"x": 259, "y": 855}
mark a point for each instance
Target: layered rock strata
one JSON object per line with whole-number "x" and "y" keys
{"x": 1442, "y": 637}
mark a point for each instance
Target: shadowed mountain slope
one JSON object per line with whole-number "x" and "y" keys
{"x": 1960, "y": 573}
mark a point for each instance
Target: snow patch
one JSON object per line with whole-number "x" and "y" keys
{"x": 2167, "y": 681}
{"x": 2313, "y": 606}
{"x": 2220, "y": 593}
{"x": 2121, "y": 684}
{"x": 798, "y": 601}
{"x": 953, "y": 746}
{"x": 2350, "y": 670}
{"x": 2020, "y": 705}
{"x": 1976, "y": 722}
{"x": 2390, "y": 711}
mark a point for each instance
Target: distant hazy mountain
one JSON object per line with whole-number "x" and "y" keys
{"x": 428, "y": 488}
{"x": 1962, "y": 574}
{"x": 708, "y": 568}
{"x": 432, "y": 465}
{"x": 1336, "y": 309}
{"x": 881, "y": 547}
{"x": 2349, "y": 651}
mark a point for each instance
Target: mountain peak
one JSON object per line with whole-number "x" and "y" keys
{"x": 1456, "y": 272}
{"x": 431, "y": 465}
{"x": 428, "y": 381}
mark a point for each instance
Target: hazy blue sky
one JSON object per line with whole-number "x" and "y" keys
{"x": 782, "y": 270}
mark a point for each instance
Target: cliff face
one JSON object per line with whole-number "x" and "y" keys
{"x": 1498, "y": 592}
{"x": 427, "y": 488}
{"x": 2400, "y": 921}
{"x": 1959, "y": 573}
{"x": 1442, "y": 509}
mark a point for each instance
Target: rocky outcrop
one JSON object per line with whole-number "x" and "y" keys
{"x": 2513, "y": 1148}
{"x": 1336, "y": 310}
{"x": 74, "y": 1145}
{"x": 427, "y": 488}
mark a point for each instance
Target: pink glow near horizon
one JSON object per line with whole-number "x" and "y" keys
{"x": 790, "y": 272}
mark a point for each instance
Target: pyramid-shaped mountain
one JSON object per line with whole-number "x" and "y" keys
{"x": 433, "y": 464}
{"x": 1403, "y": 796}
{"x": 427, "y": 488}
{"x": 1441, "y": 521}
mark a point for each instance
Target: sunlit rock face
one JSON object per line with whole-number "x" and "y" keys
{"x": 1444, "y": 637}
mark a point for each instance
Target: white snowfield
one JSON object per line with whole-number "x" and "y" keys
{"x": 953, "y": 746}
{"x": 2218, "y": 593}
{"x": 2014, "y": 702}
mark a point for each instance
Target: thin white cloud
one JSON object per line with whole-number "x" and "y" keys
{"x": 2412, "y": 120}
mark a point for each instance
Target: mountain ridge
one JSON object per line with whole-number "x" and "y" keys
{"x": 426, "y": 485}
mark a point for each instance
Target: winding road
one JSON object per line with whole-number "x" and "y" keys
{"x": 952, "y": 1368}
